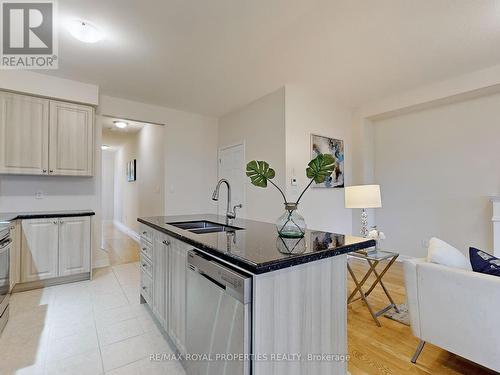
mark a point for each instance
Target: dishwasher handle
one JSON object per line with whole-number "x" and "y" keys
{"x": 236, "y": 284}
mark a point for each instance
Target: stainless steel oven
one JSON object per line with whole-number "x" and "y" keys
{"x": 5, "y": 246}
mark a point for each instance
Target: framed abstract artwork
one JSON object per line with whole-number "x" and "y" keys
{"x": 334, "y": 147}
{"x": 131, "y": 171}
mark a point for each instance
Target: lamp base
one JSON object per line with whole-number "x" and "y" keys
{"x": 364, "y": 223}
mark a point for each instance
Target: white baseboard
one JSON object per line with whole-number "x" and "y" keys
{"x": 131, "y": 233}
{"x": 100, "y": 263}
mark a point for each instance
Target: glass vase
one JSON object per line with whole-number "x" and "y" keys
{"x": 291, "y": 224}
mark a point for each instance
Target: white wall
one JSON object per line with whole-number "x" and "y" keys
{"x": 145, "y": 196}
{"x": 277, "y": 128}
{"x": 190, "y": 150}
{"x": 308, "y": 113}
{"x": 261, "y": 126}
{"x": 32, "y": 83}
{"x": 108, "y": 184}
{"x": 437, "y": 168}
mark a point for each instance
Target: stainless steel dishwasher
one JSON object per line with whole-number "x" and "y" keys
{"x": 219, "y": 311}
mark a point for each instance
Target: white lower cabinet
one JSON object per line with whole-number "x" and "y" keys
{"x": 39, "y": 249}
{"x": 159, "y": 261}
{"x": 177, "y": 294}
{"x": 168, "y": 296}
{"x": 55, "y": 247}
{"x": 74, "y": 245}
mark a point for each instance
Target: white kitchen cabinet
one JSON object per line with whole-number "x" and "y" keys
{"x": 39, "y": 249}
{"x": 74, "y": 245}
{"x": 15, "y": 254}
{"x": 177, "y": 293}
{"x": 71, "y": 139}
{"x": 167, "y": 299}
{"x": 159, "y": 303}
{"x": 56, "y": 247}
{"x": 45, "y": 137}
{"x": 24, "y": 134}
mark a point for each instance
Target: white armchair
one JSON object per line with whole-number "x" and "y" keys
{"x": 456, "y": 310}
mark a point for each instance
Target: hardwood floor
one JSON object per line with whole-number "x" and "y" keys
{"x": 120, "y": 247}
{"x": 388, "y": 349}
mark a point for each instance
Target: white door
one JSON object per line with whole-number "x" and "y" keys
{"x": 74, "y": 245}
{"x": 232, "y": 167}
{"x": 71, "y": 139}
{"x": 24, "y": 134}
{"x": 39, "y": 249}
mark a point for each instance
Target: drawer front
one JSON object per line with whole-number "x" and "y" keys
{"x": 146, "y": 233}
{"x": 146, "y": 266}
{"x": 146, "y": 249}
{"x": 146, "y": 287}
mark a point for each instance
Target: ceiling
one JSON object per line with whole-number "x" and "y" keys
{"x": 132, "y": 127}
{"x": 214, "y": 56}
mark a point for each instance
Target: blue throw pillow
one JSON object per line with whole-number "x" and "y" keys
{"x": 484, "y": 262}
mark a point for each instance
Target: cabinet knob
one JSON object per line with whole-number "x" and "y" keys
{"x": 165, "y": 242}
{"x": 144, "y": 232}
{"x": 144, "y": 288}
{"x": 56, "y": 222}
{"x": 51, "y": 171}
{"x": 44, "y": 171}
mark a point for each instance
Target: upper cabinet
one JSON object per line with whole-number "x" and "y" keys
{"x": 71, "y": 139}
{"x": 24, "y": 134}
{"x": 45, "y": 137}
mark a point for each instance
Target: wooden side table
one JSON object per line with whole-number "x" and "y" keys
{"x": 373, "y": 259}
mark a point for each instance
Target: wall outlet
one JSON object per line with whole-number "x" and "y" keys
{"x": 39, "y": 195}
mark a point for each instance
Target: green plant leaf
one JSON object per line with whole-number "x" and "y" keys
{"x": 320, "y": 168}
{"x": 259, "y": 172}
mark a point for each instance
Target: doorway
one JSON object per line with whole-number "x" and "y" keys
{"x": 132, "y": 183}
{"x": 232, "y": 168}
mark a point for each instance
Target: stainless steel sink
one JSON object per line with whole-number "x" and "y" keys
{"x": 201, "y": 227}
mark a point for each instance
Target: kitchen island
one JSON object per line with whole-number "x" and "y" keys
{"x": 280, "y": 302}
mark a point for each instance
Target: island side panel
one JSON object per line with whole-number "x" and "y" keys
{"x": 301, "y": 310}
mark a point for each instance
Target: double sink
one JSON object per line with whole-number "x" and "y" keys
{"x": 203, "y": 226}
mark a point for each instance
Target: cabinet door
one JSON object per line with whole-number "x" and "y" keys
{"x": 24, "y": 134}
{"x": 15, "y": 254}
{"x": 74, "y": 245}
{"x": 177, "y": 293}
{"x": 159, "y": 277}
{"x": 39, "y": 249}
{"x": 71, "y": 139}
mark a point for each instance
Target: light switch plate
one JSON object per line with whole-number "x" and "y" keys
{"x": 39, "y": 195}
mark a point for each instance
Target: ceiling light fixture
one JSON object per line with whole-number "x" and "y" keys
{"x": 120, "y": 124}
{"x": 84, "y": 31}
{"x": 105, "y": 147}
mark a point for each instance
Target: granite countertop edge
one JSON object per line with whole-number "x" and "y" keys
{"x": 12, "y": 216}
{"x": 292, "y": 260}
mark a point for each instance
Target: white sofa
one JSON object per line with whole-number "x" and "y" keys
{"x": 456, "y": 310}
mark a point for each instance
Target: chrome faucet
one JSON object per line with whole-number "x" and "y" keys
{"x": 229, "y": 214}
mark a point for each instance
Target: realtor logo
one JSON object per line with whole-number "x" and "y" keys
{"x": 28, "y": 35}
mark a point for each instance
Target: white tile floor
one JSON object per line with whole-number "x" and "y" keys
{"x": 92, "y": 327}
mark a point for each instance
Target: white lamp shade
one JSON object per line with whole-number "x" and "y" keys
{"x": 363, "y": 196}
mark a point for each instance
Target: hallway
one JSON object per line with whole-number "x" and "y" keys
{"x": 120, "y": 247}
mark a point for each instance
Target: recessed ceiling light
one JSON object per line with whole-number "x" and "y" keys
{"x": 105, "y": 147}
{"x": 84, "y": 31}
{"x": 120, "y": 124}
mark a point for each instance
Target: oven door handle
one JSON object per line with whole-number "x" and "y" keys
{"x": 5, "y": 245}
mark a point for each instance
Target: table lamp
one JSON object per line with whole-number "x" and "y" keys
{"x": 363, "y": 196}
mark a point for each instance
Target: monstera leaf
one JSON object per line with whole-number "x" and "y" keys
{"x": 320, "y": 168}
{"x": 260, "y": 172}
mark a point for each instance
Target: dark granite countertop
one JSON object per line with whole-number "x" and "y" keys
{"x": 43, "y": 214}
{"x": 256, "y": 248}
